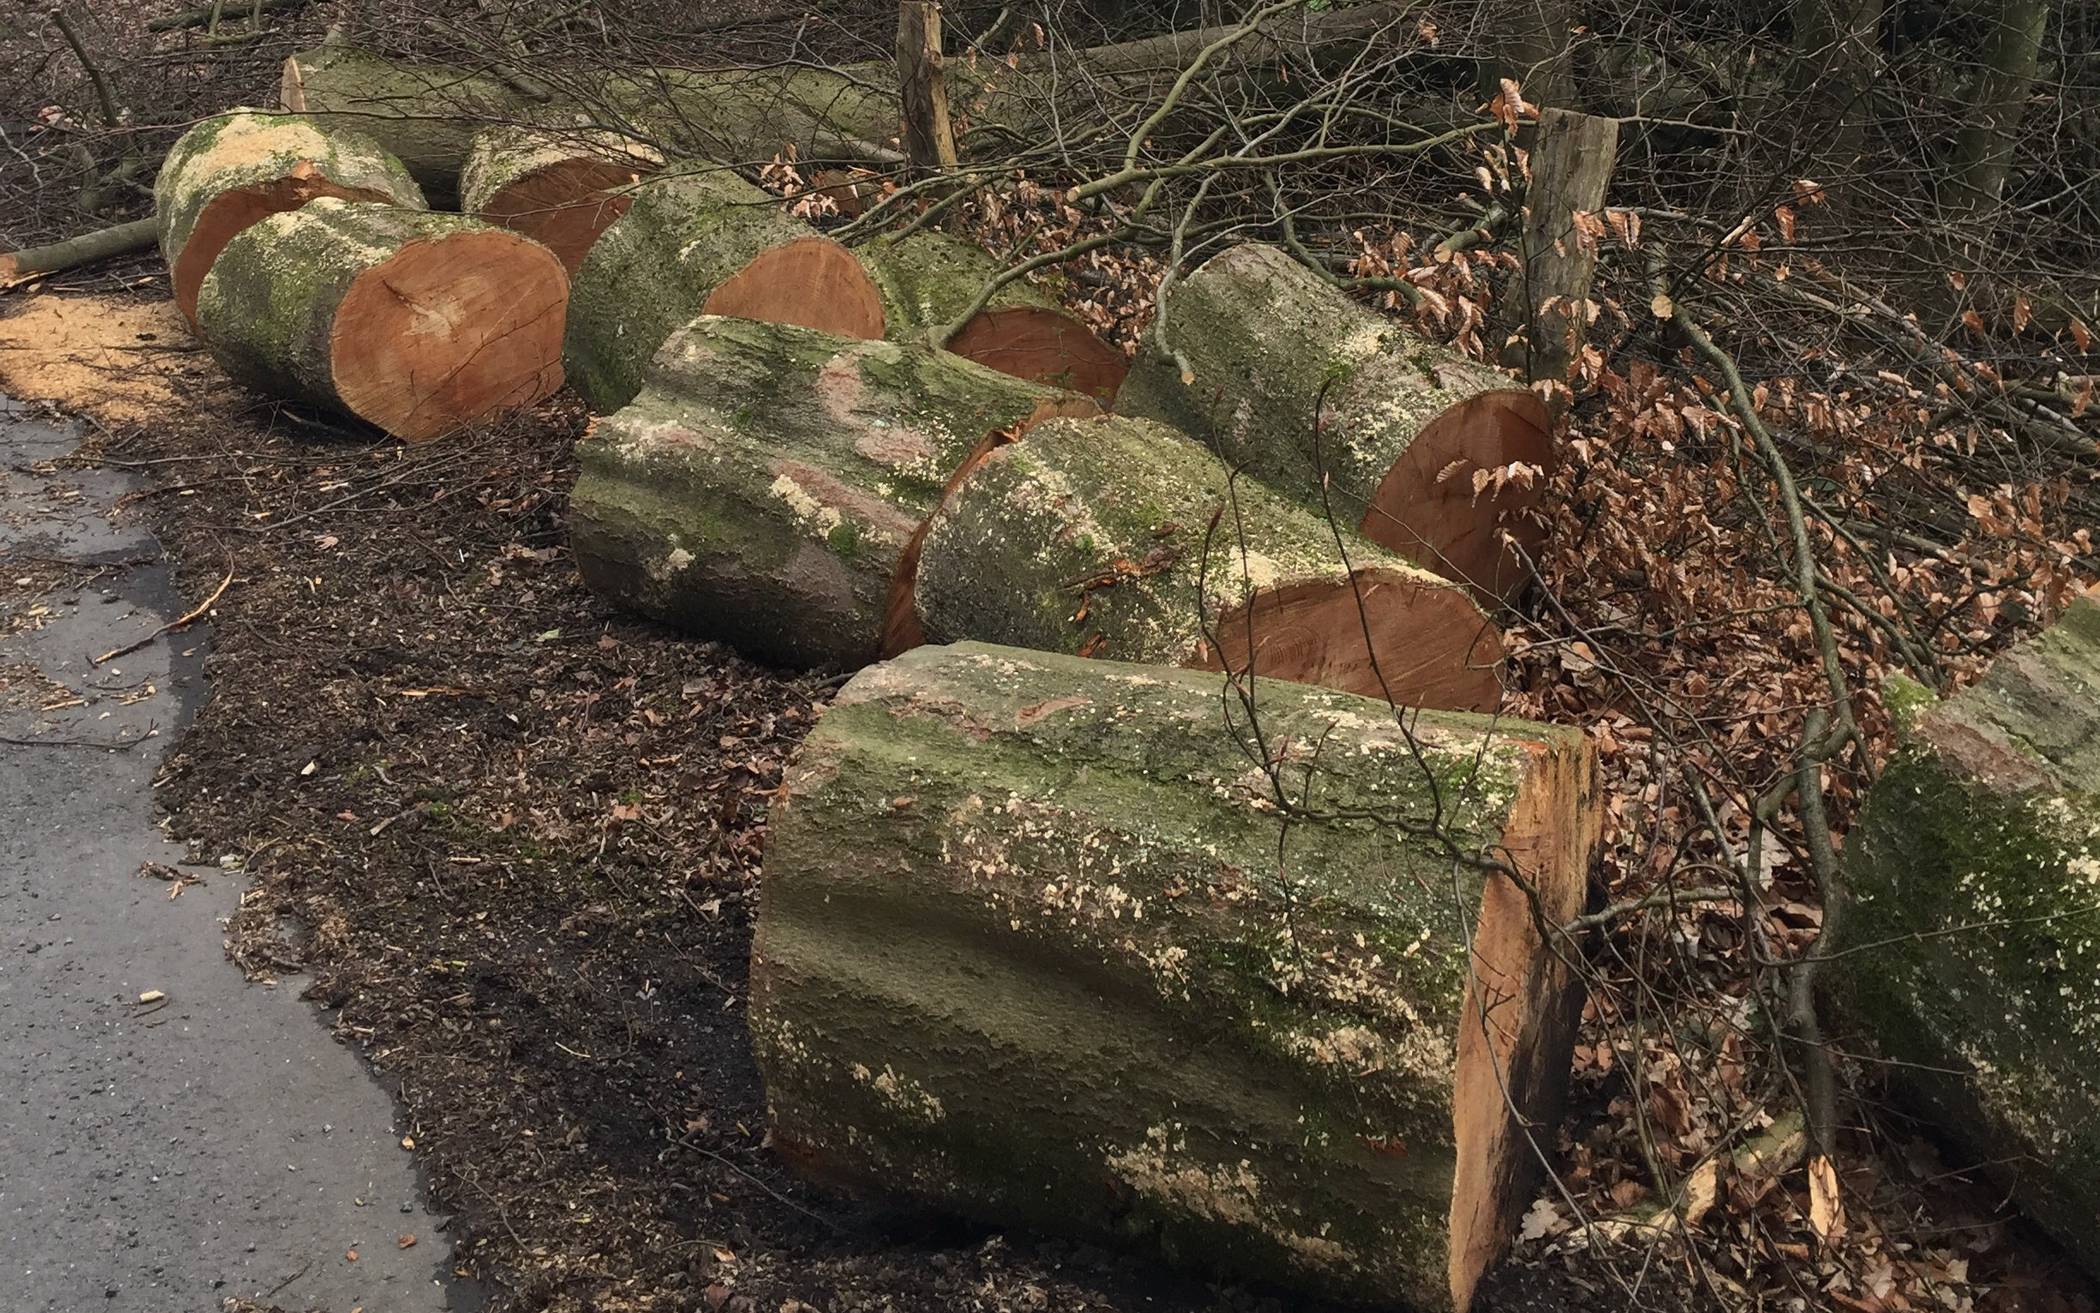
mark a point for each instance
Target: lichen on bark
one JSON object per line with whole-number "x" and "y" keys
{"x": 1045, "y": 895}
{"x": 763, "y": 484}
{"x": 1971, "y": 930}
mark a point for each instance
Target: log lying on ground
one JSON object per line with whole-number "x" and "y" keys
{"x": 1122, "y": 539}
{"x": 83, "y": 249}
{"x": 764, "y": 485}
{"x": 1027, "y": 953}
{"x": 417, "y": 323}
{"x": 560, "y": 187}
{"x": 703, "y": 243}
{"x": 1407, "y": 423}
{"x": 238, "y": 168}
{"x": 1971, "y": 922}
{"x": 928, "y": 280}
{"x": 428, "y": 114}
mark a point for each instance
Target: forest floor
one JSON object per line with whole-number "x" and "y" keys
{"x": 511, "y": 839}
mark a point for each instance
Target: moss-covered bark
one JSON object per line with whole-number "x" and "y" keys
{"x": 650, "y": 273}
{"x": 1262, "y": 336}
{"x": 268, "y": 307}
{"x": 1972, "y": 922}
{"x": 289, "y": 156}
{"x": 428, "y": 114}
{"x": 1027, "y": 951}
{"x": 927, "y": 279}
{"x": 761, "y": 487}
{"x": 1122, "y": 539}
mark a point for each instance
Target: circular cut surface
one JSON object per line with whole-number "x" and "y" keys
{"x": 565, "y": 206}
{"x": 447, "y": 331}
{"x": 1045, "y": 346}
{"x": 1426, "y": 510}
{"x": 811, "y": 282}
{"x": 1433, "y": 646}
{"x": 232, "y": 212}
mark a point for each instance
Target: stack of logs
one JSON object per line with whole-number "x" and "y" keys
{"x": 1031, "y": 946}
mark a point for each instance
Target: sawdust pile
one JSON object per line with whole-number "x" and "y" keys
{"x": 115, "y": 357}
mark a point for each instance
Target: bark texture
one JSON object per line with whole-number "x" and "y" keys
{"x": 764, "y": 485}
{"x": 427, "y": 114}
{"x": 1972, "y": 909}
{"x": 688, "y": 243}
{"x": 237, "y": 168}
{"x": 1571, "y": 163}
{"x": 1122, "y": 539}
{"x": 418, "y": 323}
{"x": 1027, "y": 954}
{"x": 928, "y": 280}
{"x": 1406, "y": 423}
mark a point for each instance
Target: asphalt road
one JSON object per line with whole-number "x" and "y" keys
{"x": 162, "y": 1156}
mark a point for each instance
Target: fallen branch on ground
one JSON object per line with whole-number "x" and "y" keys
{"x": 188, "y": 618}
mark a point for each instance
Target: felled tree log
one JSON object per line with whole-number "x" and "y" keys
{"x": 1028, "y": 953}
{"x": 237, "y": 168}
{"x": 703, "y": 243}
{"x": 764, "y": 486}
{"x": 562, "y": 188}
{"x": 928, "y": 280}
{"x": 1122, "y": 539}
{"x": 1970, "y": 926}
{"x": 83, "y": 249}
{"x": 1406, "y": 425}
{"x": 428, "y": 114}
{"x": 417, "y": 323}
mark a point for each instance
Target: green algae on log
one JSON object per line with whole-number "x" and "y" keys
{"x": 766, "y": 483}
{"x": 1970, "y": 926}
{"x": 927, "y": 280}
{"x": 1028, "y": 952}
{"x": 562, "y": 187}
{"x": 1120, "y": 538}
{"x": 1405, "y": 426}
{"x": 237, "y": 168}
{"x": 417, "y": 323}
{"x": 702, "y": 243}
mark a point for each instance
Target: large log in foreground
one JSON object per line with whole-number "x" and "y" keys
{"x": 765, "y": 485}
{"x": 703, "y": 243}
{"x": 1969, "y": 931}
{"x": 237, "y": 168}
{"x": 1122, "y": 539}
{"x": 561, "y": 187}
{"x": 1027, "y": 953}
{"x": 418, "y": 323}
{"x": 1405, "y": 427}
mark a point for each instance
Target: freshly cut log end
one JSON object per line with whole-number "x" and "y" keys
{"x": 1406, "y": 427}
{"x": 1971, "y": 912}
{"x": 416, "y": 323}
{"x": 560, "y": 188}
{"x": 237, "y": 168}
{"x": 702, "y": 243}
{"x": 1027, "y": 954}
{"x": 811, "y": 282}
{"x": 927, "y": 280}
{"x": 1048, "y": 345}
{"x": 1122, "y": 539}
{"x": 762, "y": 487}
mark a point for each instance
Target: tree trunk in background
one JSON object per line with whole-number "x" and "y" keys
{"x": 1528, "y": 41}
{"x": 1571, "y": 163}
{"x": 1837, "y": 55}
{"x": 1982, "y": 159}
{"x": 929, "y": 142}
